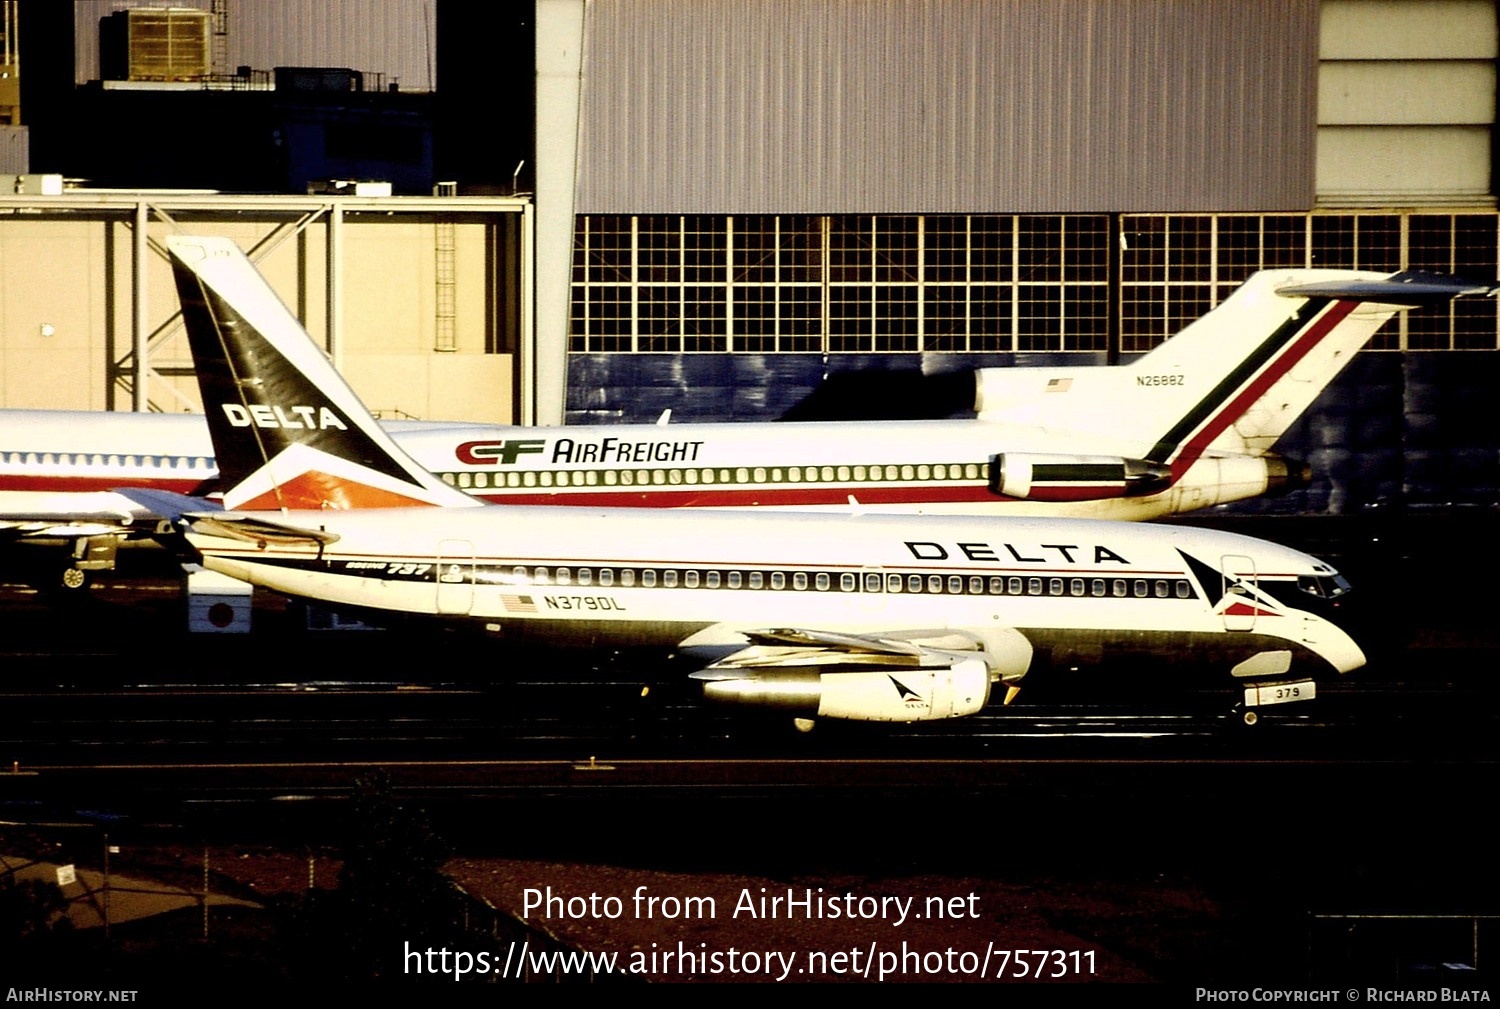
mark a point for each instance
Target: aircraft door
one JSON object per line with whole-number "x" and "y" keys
{"x": 1237, "y": 604}
{"x": 455, "y": 577}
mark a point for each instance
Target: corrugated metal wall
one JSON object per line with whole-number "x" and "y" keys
{"x": 391, "y": 37}
{"x": 901, "y": 106}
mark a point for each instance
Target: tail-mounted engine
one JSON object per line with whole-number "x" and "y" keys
{"x": 1074, "y": 477}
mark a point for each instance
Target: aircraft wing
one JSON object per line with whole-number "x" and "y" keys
{"x": 896, "y": 676}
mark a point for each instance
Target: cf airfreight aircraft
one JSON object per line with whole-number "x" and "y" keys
{"x": 856, "y": 616}
{"x": 1188, "y": 425}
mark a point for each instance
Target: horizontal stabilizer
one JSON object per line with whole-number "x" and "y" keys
{"x": 165, "y": 504}
{"x": 1409, "y": 288}
{"x": 256, "y": 530}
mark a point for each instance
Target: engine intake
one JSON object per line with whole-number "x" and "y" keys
{"x": 1074, "y": 477}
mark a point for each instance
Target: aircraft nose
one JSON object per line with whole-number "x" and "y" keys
{"x": 1334, "y": 644}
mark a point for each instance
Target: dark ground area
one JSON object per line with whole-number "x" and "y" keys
{"x": 1367, "y": 867}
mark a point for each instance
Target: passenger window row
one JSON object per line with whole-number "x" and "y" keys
{"x": 848, "y": 581}
{"x": 705, "y": 476}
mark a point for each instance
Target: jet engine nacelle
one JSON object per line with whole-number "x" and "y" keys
{"x": 896, "y": 695}
{"x": 1036, "y": 477}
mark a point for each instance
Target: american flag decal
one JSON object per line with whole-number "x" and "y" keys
{"x": 1059, "y": 384}
{"x": 518, "y": 604}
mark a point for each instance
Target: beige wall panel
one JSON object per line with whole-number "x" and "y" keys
{"x": 75, "y": 275}
{"x": 51, "y": 275}
{"x": 471, "y": 387}
{"x": 1407, "y": 29}
{"x": 388, "y": 293}
{"x": 1416, "y": 92}
{"x": 390, "y": 288}
{"x": 1402, "y": 164}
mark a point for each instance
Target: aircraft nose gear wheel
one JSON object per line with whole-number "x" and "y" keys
{"x": 1247, "y": 715}
{"x": 73, "y": 579}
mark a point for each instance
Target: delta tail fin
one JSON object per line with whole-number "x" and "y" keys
{"x": 1230, "y": 382}
{"x": 288, "y": 432}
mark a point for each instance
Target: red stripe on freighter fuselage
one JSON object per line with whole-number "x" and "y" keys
{"x": 64, "y": 484}
{"x": 769, "y": 497}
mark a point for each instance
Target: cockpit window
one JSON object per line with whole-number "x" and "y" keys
{"x": 1329, "y": 586}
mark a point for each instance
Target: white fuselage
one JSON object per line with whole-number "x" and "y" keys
{"x": 58, "y": 464}
{"x": 628, "y": 577}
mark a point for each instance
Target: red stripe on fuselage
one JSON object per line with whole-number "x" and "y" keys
{"x": 1195, "y": 446}
{"x": 749, "y": 497}
{"x": 89, "y": 484}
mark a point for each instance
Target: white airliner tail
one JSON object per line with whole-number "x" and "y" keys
{"x": 288, "y": 432}
{"x": 1230, "y": 382}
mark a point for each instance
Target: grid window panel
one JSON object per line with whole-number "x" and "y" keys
{"x": 985, "y": 283}
{"x": 1475, "y": 237}
{"x": 1190, "y": 249}
{"x": 946, "y": 318}
{"x": 660, "y": 318}
{"x": 659, "y": 241}
{"x": 992, "y": 318}
{"x": 896, "y": 248}
{"x": 1429, "y": 248}
{"x": 800, "y": 328}
{"x": 1239, "y": 245}
{"x": 1144, "y": 255}
{"x": 1284, "y": 241}
{"x": 1475, "y": 324}
{"x": 849, "y": 318}
{"x": 1086, "y": 250}
{"x": 851, "y": 245}
{"x": 1429, "y": 328}
{"x": 801, "y": 250}
{"x": 755, "y": 240}
{"x": 1429, "y": 243}
{"x": 992, "y": 256}
{"x": 896, "y": 318}
{"x": 1143, "y": 321}
{"x": 604, "y": 253}
{"x": 704, "y": 249}
{"x": 704, "y": 326}
{"x": 755, "y": 319}
{"x": 1085, "y": 317}
{"x": 1476, "y": 240}
{"x": 1039, "y": 249}
{"x": 1039, "y": 319}
{"x": 946, "y": 250}
{"x": 610, "y": 319}
{"x": 1333, "y": 241}
{"x": 1377, "y": 242}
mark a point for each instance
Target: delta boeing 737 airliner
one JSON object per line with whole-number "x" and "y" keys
{"x": 855, "y": 616}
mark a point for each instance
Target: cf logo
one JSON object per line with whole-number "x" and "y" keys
{"x": 489, "y": 453}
